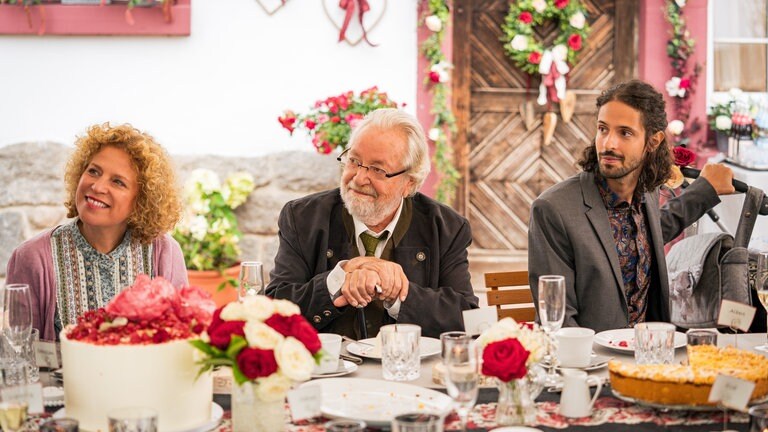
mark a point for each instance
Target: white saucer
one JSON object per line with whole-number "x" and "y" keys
{"x": 345, "y": 368}
{"x": 217, "y": 412}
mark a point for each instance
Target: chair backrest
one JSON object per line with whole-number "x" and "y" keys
{"x": 516, "y": 293}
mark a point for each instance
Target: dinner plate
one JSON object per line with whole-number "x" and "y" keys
{"x": 345, "y": 368}
{"x": 367, "y": 348}
{"x": 217, "y": 412}
{"x": 376, "y": 402}
{"x": 623, "y": 340}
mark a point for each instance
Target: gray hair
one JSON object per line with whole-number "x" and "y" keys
{"x": 417, "y": 153}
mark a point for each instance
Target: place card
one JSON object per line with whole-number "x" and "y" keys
{"x": 736, "y": 315}
{"x": 477, "y": 320}
{"x": 46, "y": 355}
{"x": 222, "y": 381}
{"x": 304, "y": 402}
{"x": 32, "y": 394}
{"x": 731, "y": 392}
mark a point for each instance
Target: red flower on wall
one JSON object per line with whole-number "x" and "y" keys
{"x": 526, "y": 17}
{"x": 574, "y": 41}
{"x": 534, "y": 57}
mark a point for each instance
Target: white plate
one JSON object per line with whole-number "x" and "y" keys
{"x": 595, "y": 362}
{"x": 376, "y": 402}
{"x": 345, "y": 368}
{"x": 217, "y": 412}
{"x": 366, "y": 348}
{"x": 612, "y": 338}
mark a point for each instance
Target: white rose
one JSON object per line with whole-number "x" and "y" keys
{"x": 285, "y": 307}
{"x": 680, "y": 3}
{"x": 539, "y": 5}
{"x": 560, "y": 52}
{"x": 234, "y": 311}
{"x": 294, "y": 359}
{"x": 735, "y": 93}
{"x": 273, "y": 388}
{"x": 258, "y": 307}
{"x": 261, "y": 336}
{"x": 519, "y": 42}
{"x": 676, "y": 127}
{"x": 433, "y": 23}
{"x": 723, "y": 122}
{"x": 434, "y": 134}
{"x": 577, "y": 20}
{"x": 721, "y": 99}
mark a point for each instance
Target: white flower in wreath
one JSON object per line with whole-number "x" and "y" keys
{"x": 560, "y": 52}
{"x": 273, "y": 388}
{"x": 519, "y": 42}
{"x": 442, "y": 69}
{"x": 680, "y": 3}
{"x": 577, "y": 20}
{"x": 434, "y": 134}
{"x": 433, "y": 23}
{"x": 673, "y": 87}
{"x": 676, "y": 127}
{"x": 294, "y": 359}
{"x": 261, "y": 336}
{"x": 723, "y": 123}
{"x": 539, "y": 5}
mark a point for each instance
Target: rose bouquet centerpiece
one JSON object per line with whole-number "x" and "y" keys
{"x": 330, "y": 122}
{"x": 510, "y": 352}
{"x": 208, "y": 232}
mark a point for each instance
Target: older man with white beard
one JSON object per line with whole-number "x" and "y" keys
{"x": 375, "y": 251}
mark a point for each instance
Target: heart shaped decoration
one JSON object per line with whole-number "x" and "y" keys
{"x": 355, "y": 32}
{"x": 271, "y": 6}
{"x": 549, "y": 122}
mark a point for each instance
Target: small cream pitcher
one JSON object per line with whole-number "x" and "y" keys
{"x": 575, "y": 400}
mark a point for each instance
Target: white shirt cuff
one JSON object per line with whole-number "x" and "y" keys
{"x": 335, "y": 279}
{"x": 393, "y": 309}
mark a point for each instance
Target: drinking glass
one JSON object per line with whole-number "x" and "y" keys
{"x": 654, "y": 343}
{"x": 461, "y": 373}
{"x": 417, "y": 422}
{"x": 13, "y": 415}
{"x": 345, "y": 425}
{"x": 400, "y": 355}
{"x": 17, "y": 322}
{"x": 551, "y": 315}
{"x": 758, "y": 418}
{"x": 251, "y": 280}
{"x": 60, "y": 425}
{"x": 761, "y": 279}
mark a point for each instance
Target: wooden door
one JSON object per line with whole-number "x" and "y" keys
{"x": 505, "y": 167}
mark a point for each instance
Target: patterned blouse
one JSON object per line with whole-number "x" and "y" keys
{"x": 630, "y": 232}
{"x": 88, "y": 279}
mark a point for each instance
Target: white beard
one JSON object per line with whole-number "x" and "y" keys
{"x": 369, "y": 213}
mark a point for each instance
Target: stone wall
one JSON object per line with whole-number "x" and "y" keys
{"x": 32, "y": 192}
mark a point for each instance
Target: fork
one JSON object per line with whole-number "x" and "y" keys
{"x": 349, "y": 339}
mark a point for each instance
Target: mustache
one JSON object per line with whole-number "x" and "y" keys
{"x": 367, "y": 190}
{"x": 611, "y": 154}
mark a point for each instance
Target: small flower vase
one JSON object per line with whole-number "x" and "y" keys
{"x": 251, "y": 414}
{"x": 516, "y": 404}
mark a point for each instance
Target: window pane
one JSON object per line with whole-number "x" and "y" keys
{"x": 740, "y": 65}
{"x": 739, "y": 19}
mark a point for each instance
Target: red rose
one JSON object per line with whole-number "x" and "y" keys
{"x": 325, "y": 148}
{"x": 256, "y": 363}
{"x": 534, "y": 57}
{"x": 222, "y": 333}
{"x": 525, "y": 17}
{"x": 574, "y": 41}
{"x": 505, "y": 360}
{"x": 683, "y": 156}
{"x": 561, "y": 4}
{"x": 335, "y": 119}
{"x": 310, "y": 124}
{"x": 287, "y": 121}
{"x": 434, "y": 77}
{"x": 685, "y": 83}
{"x": 298, "y": 327}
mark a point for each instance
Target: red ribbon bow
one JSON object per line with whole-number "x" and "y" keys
{"x": 549, "y": 81}
{"x": 349, "y": 7}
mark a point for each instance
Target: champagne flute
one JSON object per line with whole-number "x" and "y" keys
{"x": 461, "y": 373}
{"x": 251, "y": 282}
{"x": 551, "y": 314}
{"x": 13, "y": 415}
{"x": 17, "y": 322}
{"x": 761, "y": 279}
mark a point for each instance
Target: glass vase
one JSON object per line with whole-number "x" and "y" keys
{"x": 251, "y": 414}
{"x": 516, "y": 405}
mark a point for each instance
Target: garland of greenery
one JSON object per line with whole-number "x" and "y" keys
{"x": 680, "y": 48}
{"x": 436, "y": 18}
{"x": 520, "y": 43}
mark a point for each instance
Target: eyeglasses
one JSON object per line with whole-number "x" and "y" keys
{"x": 354, "y": 164}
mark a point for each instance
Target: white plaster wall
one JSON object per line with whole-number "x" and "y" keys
{"x": 219, "y": 90}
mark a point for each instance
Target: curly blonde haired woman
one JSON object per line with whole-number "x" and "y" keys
{"x": 121, "y": 190}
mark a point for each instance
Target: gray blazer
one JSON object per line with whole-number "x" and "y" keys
{"x": 569, "y": 234}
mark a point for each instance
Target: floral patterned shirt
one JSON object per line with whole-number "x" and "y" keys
{"x": 630, "y": 232}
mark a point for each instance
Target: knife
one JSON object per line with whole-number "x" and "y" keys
{"x": 353, "y": 359}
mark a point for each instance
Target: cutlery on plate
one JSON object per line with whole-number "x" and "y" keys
{"x": 353, "y": 359}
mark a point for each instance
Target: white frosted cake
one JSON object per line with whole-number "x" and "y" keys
{"x": 136, "y": 352}
{"x": 101, "y": 378}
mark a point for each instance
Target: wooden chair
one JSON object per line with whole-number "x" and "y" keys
{"x": 516, "y": 294}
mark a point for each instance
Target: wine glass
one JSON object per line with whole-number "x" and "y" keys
{"x": 551, "y": 315}
{"x": 761, "y": 279}
{"x": 17, "y": 316}
{"x": 251, "y": 282}
{"x": 461, "y": 373}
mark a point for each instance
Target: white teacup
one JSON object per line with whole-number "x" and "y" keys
{"x": 574, "y": 346}
{"x": 329, "y": 362}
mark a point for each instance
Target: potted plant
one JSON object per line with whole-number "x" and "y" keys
{"x": 330, "y": 121}
{"x": 208, "y": 232}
